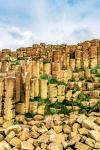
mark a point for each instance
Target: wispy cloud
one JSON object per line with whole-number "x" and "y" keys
{"x": 49, "y": 21}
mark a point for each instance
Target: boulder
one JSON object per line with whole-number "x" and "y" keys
{"x": 26, "y": 146}
{"x": 95, "y": 134}
{"x": 15, "y": 142}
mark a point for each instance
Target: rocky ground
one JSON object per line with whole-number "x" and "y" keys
{"x": 57, "y": 132}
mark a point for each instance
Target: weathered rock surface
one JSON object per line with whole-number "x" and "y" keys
{"x": 64, "y": 132}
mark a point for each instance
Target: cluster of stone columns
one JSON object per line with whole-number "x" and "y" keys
{"x": 22, "y": 81}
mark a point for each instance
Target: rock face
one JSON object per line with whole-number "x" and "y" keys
{"x": 49, "y": 79}
{"x": 50, "y": 97}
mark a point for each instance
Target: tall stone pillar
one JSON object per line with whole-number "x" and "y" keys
{"x": 78, "y": 57}
{"x": 27, "y": 91}
{"x": 9, "y": 111}
{"x": 35, "y": 68}
{"x": 47, "y": 69}
{"x": 98, "y": 55}
{"x": 43, "y": 88}
{"x": 85, "y": 57}
{"x": 18, "y": 84}
{"x": 1, "y": 93}
{"x": 67, "y": 56}
{"x": 93, "y": 56}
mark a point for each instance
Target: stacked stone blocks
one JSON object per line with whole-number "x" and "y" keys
{"x": 46, "y": 79}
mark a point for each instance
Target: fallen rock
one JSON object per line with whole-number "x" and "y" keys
{"x": 43, "y": 146}
{"x": 38, "y": 117}
{"x": 15, "y": 142}
{"x": 20, "y": 118}
{"x": 34, "y": 128}
{"x": 26, "y": 146}
{"x": 38, "y": 148}
{"x": 35, "y": 134}
{"x": 54, "y": 146}
{"x": 74, "y": 139}
{"x": 95, "y": 134}
{"x": 81, "y": 146}
{"x": 14, "y": 148}
{"x": 75, "y": 127}
{"x": 42, "y": 129}
{"x": 66, "y": 129}
{"x": 10, "y": 136}
{"x": 44, "y": 138}
{"x": 72, "y": 119}
{"x": 92, "y": 143}
{"x": 97, "y": 121}
{"x": 57, "y": 129}
{"x": 15, "y": 128}
{"x": 81, "y": 118}
{"x": 2, "y": 131}
{"x": 83, "y": 131}
{"x": 57, "y": 138}
{"x": 89, "y": 124}
{"x": 1, "y": 137}
{"x": 48, "y": 121}
{"x": 4, "y": 145}
{"x": 25, "y": 134}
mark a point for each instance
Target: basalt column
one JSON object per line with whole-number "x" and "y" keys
{"x": 1, "y": 93}
{"x": 72, "y": 57}
{"x": 98, "y": 55}
{"x": 9, "y": 111}
{"x": 47, "y": 69}
{"x": 36, "y": 68}
{"x": 93, "y": 56}
{"x": 27, "y": 91}
{"x": 67, "y": 56}
{"x": 78, "y": 57}
{"x": 56, "y": 70}
{"x": 85, "y": 57}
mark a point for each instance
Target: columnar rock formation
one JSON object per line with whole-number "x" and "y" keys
{"x": 45, "y": 79}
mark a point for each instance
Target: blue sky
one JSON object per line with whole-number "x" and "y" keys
{"x": 25, "y": 22}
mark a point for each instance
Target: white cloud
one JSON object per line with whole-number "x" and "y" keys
{"x": 53, "y": 22}
{"x": 14, "y": 37}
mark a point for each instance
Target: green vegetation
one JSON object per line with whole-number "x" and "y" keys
{"x": 38, "y": 99}
{"x": 74, "y": 90}
{"x": 15, "y": 62}
{"x": 97, "y": 75}
{"x": 52, "y": 81}
{"x": 94, "y": 70}
{"x": 83, "y": 97}
{"x": 29, "y": 115}
{"x": 55, "y": 81}
{"x": 89, "y": 109}
{"x": 78, "y": 70}
{"x": 53, "y": 111}
{"x": 89, "y": 79}
{"x": 35, "y": 58}
{"x": 71, "y": 80}
{"x": 46, "y": 61}
{"x": 62, "y": 83}
{"x": 16, "y": 122}
{"x": 60, "y": 107}
{"x": 44, "y": 76}
{"x": 57, "y": 108}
